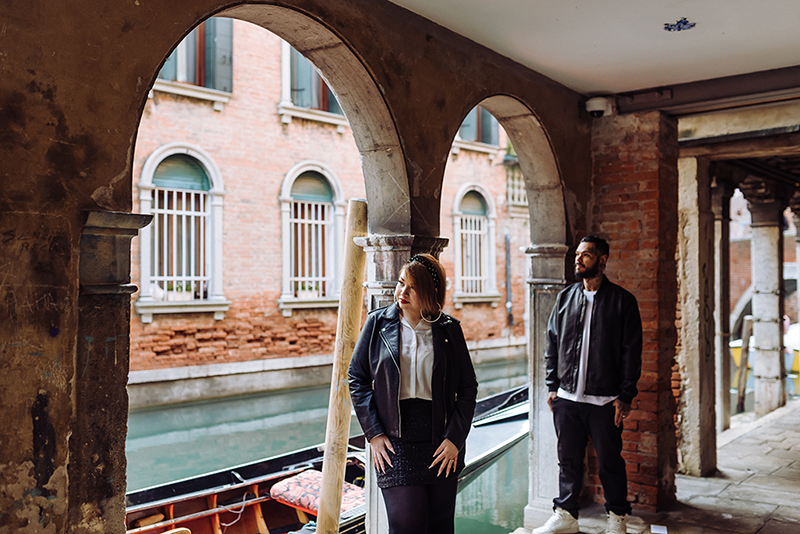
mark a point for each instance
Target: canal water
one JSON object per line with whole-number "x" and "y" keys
{"x": 175, "y": 442}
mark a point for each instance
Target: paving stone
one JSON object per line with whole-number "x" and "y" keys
{"x": 732, "y": 507}
{"x": 760, "y": 495}
{"x": 788, "y": 514}
{"x": 687, "y": 487}
{"x": 792, "y": 454}
{"x": 710, "y": 518}
{"x": 731, "y": 474}
{"x": 755, "y": 464}
{"x": 793, "y": 471}
{"x": 774, "y": 526}
{"x": 786, "y": 484}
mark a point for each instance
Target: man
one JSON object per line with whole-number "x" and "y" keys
{"x": 593, "y": 359}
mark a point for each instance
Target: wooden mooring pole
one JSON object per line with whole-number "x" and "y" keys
{"x": 744, "y": 357}
{"x": 347, "y": 327}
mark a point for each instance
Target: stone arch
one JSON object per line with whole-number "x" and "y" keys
{"x": 539, "y": 167}
{"x": 362, "y": 102}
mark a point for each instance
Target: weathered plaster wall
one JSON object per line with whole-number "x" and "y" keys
{"x": 74, "y": 78}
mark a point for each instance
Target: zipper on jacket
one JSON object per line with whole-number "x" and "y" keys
{"x": 397, "y": 395}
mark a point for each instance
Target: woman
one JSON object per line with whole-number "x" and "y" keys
{"x": 413, "y": 389}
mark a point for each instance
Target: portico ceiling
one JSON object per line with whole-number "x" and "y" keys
{"x": 603, "y": 47}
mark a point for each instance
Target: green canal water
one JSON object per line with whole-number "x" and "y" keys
{"x": 181, "y": 441}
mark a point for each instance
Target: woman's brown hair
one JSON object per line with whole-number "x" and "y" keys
{"x": 428, "y": 277}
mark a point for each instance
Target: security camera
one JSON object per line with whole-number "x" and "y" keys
{"x": 600, "y": 106}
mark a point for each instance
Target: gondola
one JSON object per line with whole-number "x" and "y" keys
{"x": 271, "y": 496}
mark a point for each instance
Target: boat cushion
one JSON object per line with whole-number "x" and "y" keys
{"x": 303, "y": 491}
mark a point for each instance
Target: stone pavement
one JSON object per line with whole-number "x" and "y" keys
{"x": 755, "y": 491}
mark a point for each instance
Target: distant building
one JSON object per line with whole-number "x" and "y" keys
{"x": 247, "y": 163}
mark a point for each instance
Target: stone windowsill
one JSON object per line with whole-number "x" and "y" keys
{"x": 287, "y": 304}
{"x": 219, "y": 98}
{"x": 289, "y": 111}
{"x": 146, "y": 309}
{"x": 459, "y": 299}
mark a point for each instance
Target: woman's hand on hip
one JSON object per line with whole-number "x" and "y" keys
{"x": 446, "y": 455}
{"x": 381, "y": 446}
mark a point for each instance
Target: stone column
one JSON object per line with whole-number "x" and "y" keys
{"x": 721, "y": 192}
{"x": 795, "y": 205}
{"x": 697, "y": 443}
{"x": 386, "y": 255}
{"x": 546, "y": 280}
{"x": 766, "y": 204}
{"x": 97, "y": 445}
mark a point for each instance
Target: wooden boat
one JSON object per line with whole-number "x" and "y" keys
{"x": 243, "y": 499}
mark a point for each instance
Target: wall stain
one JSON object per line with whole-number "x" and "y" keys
{"x": 44, "y": 443}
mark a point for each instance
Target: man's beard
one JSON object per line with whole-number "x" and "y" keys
{"x": 589, "y": 272}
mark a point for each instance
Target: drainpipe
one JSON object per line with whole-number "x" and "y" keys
{"x": 508, "y": 279}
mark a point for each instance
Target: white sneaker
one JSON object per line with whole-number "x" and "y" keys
{"x": 561, "y": 522}
{"x": 617, "y": 524}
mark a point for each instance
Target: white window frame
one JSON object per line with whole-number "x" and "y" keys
{"x": 490, "y": 294}
{"x": 288, "y": 301}
{"x": 216, "y": 303}
{"x": 286, "y": 108}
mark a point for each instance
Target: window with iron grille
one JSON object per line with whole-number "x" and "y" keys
{"x": 181, "y": 249}
{"x": 179, "y": 263}
{"x": 472, "y": 235}
{"x": 312, "y": 220}
{"x": 474, "y": 240}
{"x": 311, "y": 224}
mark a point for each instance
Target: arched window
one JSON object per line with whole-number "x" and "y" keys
{"x": 181, "y": 250}
{"x": 312, "y": 212}
{"x": 474, "y": 226}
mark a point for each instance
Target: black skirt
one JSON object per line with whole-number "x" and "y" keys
{"x": 413, "y": 450}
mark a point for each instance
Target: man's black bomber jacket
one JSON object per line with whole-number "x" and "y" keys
{"x": 615, "y": 347}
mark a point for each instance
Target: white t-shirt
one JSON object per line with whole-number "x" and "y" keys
{"x": 416, "y": 360}
{"x": 579, "y": 395}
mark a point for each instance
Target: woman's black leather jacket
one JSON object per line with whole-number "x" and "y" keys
{"x": 615, "y": 346}
{"x": 375, "y": 378}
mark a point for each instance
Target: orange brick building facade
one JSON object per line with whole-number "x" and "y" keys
{"x": 254, "y": 147}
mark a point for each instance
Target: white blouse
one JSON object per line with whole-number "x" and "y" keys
{"x": 416, "y": 360}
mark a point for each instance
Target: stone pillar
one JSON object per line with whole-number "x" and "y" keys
{"x": 766, "y": 204}
{"x": 97, "y": 446}
{"x": 546, "y": 279}
{"x": 795, "y": 205}
{"x": 386, "y": 255}
{"x": 721, "y": 192}
{"x": 697, "y": 443}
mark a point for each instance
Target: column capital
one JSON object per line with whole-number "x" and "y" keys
{"x": 765, "y": 201}
{"x": 547, "y": 264}
{"x": 721, "y": 193}
{"x": 794, "y": 203}
{"x": 386, "y": 255}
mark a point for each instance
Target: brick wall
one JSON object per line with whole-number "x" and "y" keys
{"x": 634, "y": 206}
{"x": 254, "y": 151}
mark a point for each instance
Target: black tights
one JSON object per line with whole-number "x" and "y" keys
{"x": 422, "y": 509}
